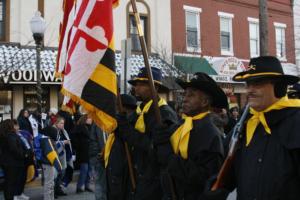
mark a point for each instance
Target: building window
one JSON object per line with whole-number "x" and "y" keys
{"x": 30, "y": 98}
{"x": 2, "y": 19}
{"x": 280, "y": 41}
{"x": 5, "y": 104}
{"x": 226, "y": 35}
{"x": 254, "y": 37}
{"x": 192, "y": 21}
{"x": 134, "y": 35}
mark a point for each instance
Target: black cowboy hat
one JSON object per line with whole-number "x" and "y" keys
{"x": 206, "y": 84}
{"x": 143, "y": 77}
{"x": 128, "y": 100}
{"x": 294, "y": 90}
{"x": 265, "y": 67}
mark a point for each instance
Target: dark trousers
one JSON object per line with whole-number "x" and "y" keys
{"x": 13, "y": 181}
{"x": 58, "y": 182}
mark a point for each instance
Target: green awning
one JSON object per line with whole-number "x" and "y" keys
{"x": 192, "y": 65}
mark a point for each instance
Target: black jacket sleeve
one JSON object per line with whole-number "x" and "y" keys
{"x": 14, "y": 145}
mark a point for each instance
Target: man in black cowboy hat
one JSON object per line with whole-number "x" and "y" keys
{"x": 195, "y": 144}
{"x": 138, "y": 131}
{"x": 267, "y": 162}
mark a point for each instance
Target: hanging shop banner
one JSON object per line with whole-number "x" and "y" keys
{"x": 227, "y": 66}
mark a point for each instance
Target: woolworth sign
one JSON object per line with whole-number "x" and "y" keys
{"x": 29, "y": 77}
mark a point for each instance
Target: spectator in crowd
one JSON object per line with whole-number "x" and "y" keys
{"x": 29, "y": 171}
{"x": 24, "y": 122}
{"x": 13, "y": 157}
{"x": 35, "y": 122}
{"x": 50, "y": 161}
{"x": 51, "y": 117}
{"x": 69, "y": 124}
{"x": 219, "y": 123}
{"x": 64, "y": 150}
{"x": 233, "y": 119}
{"x": 96, "y": 146}
{"x": 81, "y": 144}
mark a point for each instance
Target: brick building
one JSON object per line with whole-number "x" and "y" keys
{"x": 226, "y": 34}
{"x": 297, "y": 31}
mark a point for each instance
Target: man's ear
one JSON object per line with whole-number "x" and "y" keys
{"x": 205, "y": 102}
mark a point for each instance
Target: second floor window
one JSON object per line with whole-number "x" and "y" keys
{"x": 192, "y": 31}
{"x": 135, "y": 42}
{"x": 254, "y": 39}
{"x": 226, "y": 36}
{"x": 192, "y": 28}
{"x": 280, "y": 41}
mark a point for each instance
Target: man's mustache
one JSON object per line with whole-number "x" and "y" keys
{"x": 252, "y": 95}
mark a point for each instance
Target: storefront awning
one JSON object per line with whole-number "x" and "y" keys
{"x": 192, "y": 65}
{"x": 18, "y": 64}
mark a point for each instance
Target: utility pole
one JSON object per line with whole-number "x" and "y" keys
{"x": 263, "y": 28}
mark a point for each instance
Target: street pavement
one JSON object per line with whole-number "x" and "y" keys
{"x": 35, "y": 192}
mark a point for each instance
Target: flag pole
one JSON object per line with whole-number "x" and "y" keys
{"x": 146, "y": 60}
{"x": 150, "y": 79}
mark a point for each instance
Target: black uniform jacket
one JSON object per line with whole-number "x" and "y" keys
{"x": 269, "y": 167}
{"x": 144, "y": 157}
{"x": 117, "y": 172}
{"x": 205, "y": 157}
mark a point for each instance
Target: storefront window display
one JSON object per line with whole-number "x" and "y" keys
{"x": 5, "y": 104}
{"x": 30, "y": 98}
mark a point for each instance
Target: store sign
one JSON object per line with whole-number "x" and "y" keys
{"x": 30, "y": 77}
{"x": 222, "y": 78}
{"x": 231, "y": 66}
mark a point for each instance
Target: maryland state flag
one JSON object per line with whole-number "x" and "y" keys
{"x": 68, "y": 105}
{"x": 66, "y": 24}
{"x": 89, "y": 74}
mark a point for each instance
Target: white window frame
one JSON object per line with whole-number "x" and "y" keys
{"x": 253, "y": 21}
{"x": 283, "y": 27}
{"x": 197, "y": 11}
{"x": 228, "y": 16}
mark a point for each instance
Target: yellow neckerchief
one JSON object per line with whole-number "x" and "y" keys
{"x": 108, "y": 145}
{"x": 259, "y": 117}
{"x": 180, "y": 138}
{"x": 140, "y": 124}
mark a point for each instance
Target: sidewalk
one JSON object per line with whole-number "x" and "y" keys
{"x": 35, "y": 190}
{"x": 36, "y": 193}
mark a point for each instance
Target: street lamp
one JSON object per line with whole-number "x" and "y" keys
{"x": 38, "y": 27}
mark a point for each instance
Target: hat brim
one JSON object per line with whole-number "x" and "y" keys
{"x": 161, "y": 87}
{"x": 218, "y": 96}
{"x": 245, "y": 76}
